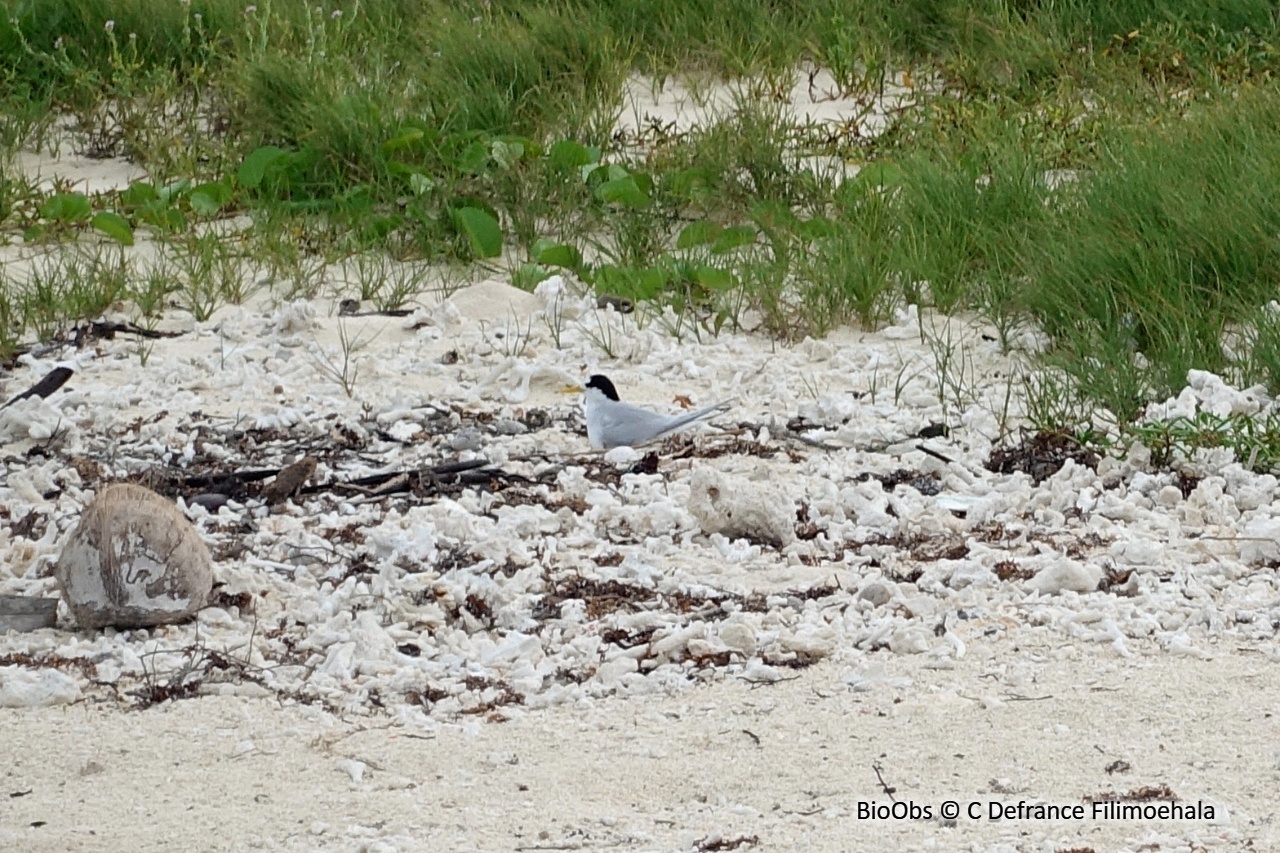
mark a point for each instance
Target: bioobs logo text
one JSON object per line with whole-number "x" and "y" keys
{"x": 898, "y": 810}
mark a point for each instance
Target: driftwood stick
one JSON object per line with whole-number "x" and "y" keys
{"x": 52, "y": 381}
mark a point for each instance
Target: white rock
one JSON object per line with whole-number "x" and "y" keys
{"x": 1065, "y": 574}
{"x": 623, "y": 456}
{"x": 1261, "y": 542}
{"x": 354, "y": 769}
{"x": 868, "y": 503}
{"x": 739, "y": 637}
{"x": 25, "y": 688}
{"x": 610, "y": 671}
{"x": 909, "y": 640}
{"x": 738, "y": 508}
{"x": 494, "y": 301}
{"x": 814, "y": 642}
{"x": 758, "y": 670}
{"x": 1250, "y": 490}
{"x": 421, "y": 601}
{"x": 133, "y": 561}
{"x": 294, "y": 318}
{"x": 971, "y": 573}
{"x": 923, "y": 607}
{"x": 1128, "y": 589}
{"x": 876, "y": 592}
{"x": 557, "y": 299}
{"x": 1139, "y": 552}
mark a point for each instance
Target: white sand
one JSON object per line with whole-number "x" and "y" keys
{"x": 1038, "y": 721}
{"x": 810, "y": 97}
{"x": 87, "y": 175}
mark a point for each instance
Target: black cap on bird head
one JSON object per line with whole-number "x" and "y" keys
{"x": 603, "y": 385}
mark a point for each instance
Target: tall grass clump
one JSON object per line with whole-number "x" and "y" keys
{"x": 520, "y": 73}
{"x": 733, "y": 37}
{"x": 852, "y": 273}
{"x": 942, "y": 227}
{"x": 1259, "y": 360}
{"x": 1173, "y": 239}
{"x": 965, "y": 221}
{"x": 1123, "y": 16}
{"x": 748, "y": 157}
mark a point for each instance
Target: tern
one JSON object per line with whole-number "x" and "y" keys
{"x": 613, "y": 423}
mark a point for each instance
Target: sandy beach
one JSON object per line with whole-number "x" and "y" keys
{"x": 727, "y": 765}
{"x": 821, "y": 607}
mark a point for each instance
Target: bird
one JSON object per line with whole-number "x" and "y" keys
{"x": 613, "y": 423}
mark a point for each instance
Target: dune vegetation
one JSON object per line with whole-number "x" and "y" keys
{"x": 1101, "y": 174}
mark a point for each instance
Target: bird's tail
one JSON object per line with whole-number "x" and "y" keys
{"x": 684, "y": 420}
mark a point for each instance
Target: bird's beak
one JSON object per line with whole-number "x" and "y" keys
{"x": 572, "y": 389}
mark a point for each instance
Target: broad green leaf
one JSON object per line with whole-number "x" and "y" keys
{"x": 529, "y": 149}
{"x": 604, "y": 173}
{"x": 567, "y": 154}
{"x": 623, "y": 191}
{"x": 554, "y": 254}
{"x": 255, "y": 165}
{"x": 690, "y": 183}
{"x": 714, "y": 278}
{"x": 138, "y": 194}
{"x": 611, "y": 278}
{"x": 630, "y": 282}
{"x": 650, "y": 282}
{"x": 879, "y": 173}
{"x": 481, "y": 229}
{"x": 203, "y": 203}
{"x": 219, "y": 191}
{"x": 421, "y": 184}
{"x": 169, "y": 192}
{"x": 165, "y": 217}
{"x": 599, "y": 277}
{"x": 733, "y": 238}
{"x": 114, "y": 226}
{"x": 506, "y": 154}
{"x": 403, "y": 140}
{"x": 66, "y": 207}
{"x": 474, "y": 158}
{"x": 722, "y": 317}
{"x": 208, "y": 199}
{"x": 697, "y": 234}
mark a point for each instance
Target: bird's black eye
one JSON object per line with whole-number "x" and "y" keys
{"x": 603, "y": 385}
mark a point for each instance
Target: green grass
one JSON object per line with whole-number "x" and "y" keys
{"x": 1168, "y": 244}
{"x": 464, "y": 134}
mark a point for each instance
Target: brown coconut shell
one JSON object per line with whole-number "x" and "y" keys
{"x": 133, "y": 561}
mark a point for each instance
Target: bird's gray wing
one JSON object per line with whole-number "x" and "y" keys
{"x": 625, "y": 424}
